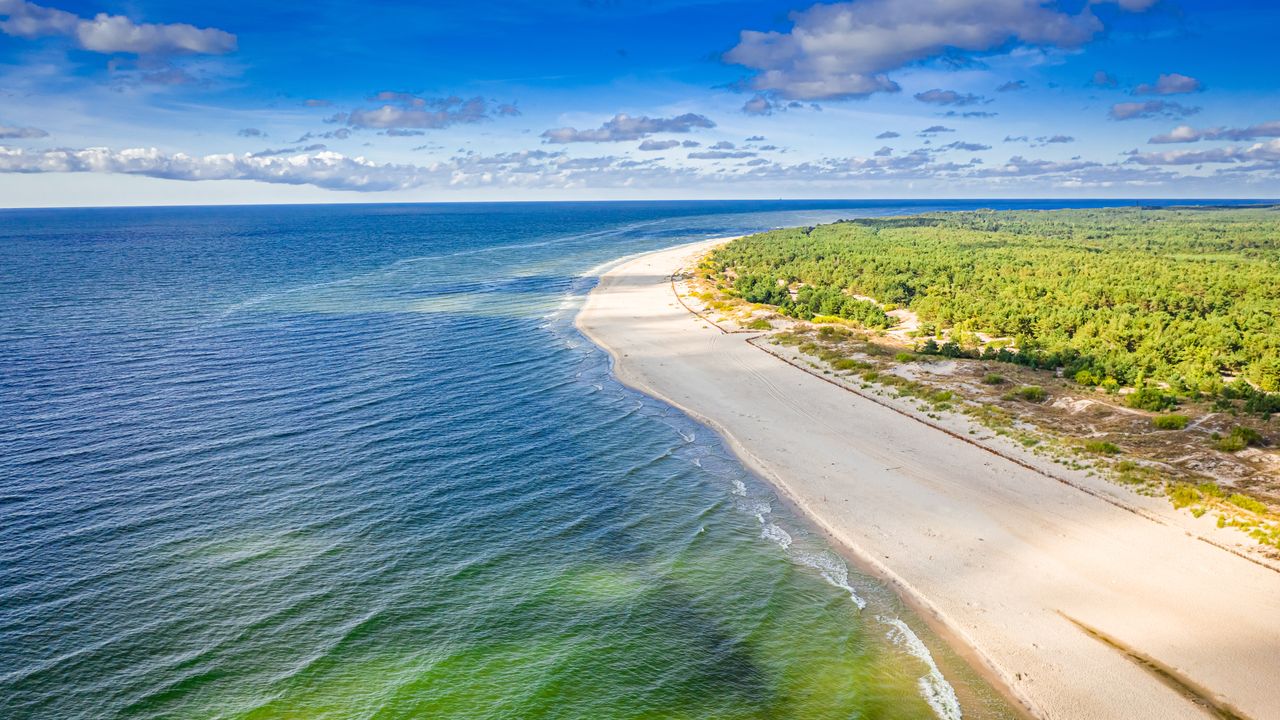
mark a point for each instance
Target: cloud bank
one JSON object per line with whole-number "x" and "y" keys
{"x": 109, "y": 34}
{"x": 847, "y": 49}
{"x": 1188, "y": 134}
{"x": 625, "y": 127}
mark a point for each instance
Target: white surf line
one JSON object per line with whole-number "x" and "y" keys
{"x": 933, "y": 686}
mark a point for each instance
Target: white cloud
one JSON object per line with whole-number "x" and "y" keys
{"x": 650, "y": 145}
{"x": 21, "y": 133}
{"x": 1150, "y": 109}
{"x": 545, "y": 169}
{"x": 1170, "y": 84}
{"x": 1188, "y": 134}
{"x": 846, "y": 49}
{"x": 1268, "y": 151}
{"x": 410, "y": 111}
{"x": 625, "y": 127}
{"x": 758, "y": 105}
{"x": 105, "y": 33}
{"x": 947, "y": 97}
{"x": 324, "y": 169}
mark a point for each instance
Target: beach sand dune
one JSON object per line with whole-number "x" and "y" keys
{"x": 1082, "y": 608}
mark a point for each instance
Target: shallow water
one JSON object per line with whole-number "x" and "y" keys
{"x": 355, "y": 462}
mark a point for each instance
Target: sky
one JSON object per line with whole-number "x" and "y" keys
{"x": 150, "y": 102}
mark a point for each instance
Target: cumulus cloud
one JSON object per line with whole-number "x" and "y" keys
{"x": 555, "y": 169}
{"x": 937, "y": 96}
{"x": 410, "y": 111}
{"x": 1268, "y": 152}
{"x": 1188, "y": 134}
{"x": 625, "y": 127}
{"x": 1150, "y": 109}
{"x": 934, "y": 130}
{"x": 1170, "y": 84}
{"x": 965, "y": 146}
{"x": 758, "y": 105}
{"x": 324, "y": 169}
{"x": 846, "y": 49}
{"x": 1055, "y": 139}
{"x": 884, "y": 151}
{"x": 316, "y": 102}
{"x": 1012, "y": 85}
{"x": 109, "y": 34}
{"x": 659, "y": 144}
{"x": 755, "y": 138}
{"x": 251, "y": 132}
{"x": 21, "y": 133}
{"x": 888, "y": 135}
{"x": 1019, "y": 166}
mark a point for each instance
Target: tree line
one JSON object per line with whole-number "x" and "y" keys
{"x": 1186, "y": 297}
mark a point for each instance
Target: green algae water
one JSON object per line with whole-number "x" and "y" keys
{"x": 355, "y": 462}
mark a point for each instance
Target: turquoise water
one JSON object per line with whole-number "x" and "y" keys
{"x": 355, "y": 462}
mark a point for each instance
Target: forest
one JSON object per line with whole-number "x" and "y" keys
{"x": 1183, "y": 299}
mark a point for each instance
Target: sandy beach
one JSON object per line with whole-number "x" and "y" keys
{"x": 1085, "y": 601}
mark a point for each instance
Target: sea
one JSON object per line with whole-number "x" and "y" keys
{"x": 355, "y": 461}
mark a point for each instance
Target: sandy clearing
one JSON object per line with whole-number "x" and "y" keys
{"x": 1010, "y": 561}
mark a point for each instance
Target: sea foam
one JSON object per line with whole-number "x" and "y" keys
{"x": 933, "y": 686}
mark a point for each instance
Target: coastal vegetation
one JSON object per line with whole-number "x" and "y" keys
{"x": 1138, "y": 344}
{"x": 1186, "y": 299}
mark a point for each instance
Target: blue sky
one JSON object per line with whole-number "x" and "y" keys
{"x": 151, "y": 102}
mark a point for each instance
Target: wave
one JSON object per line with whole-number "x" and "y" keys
{"x": 933, "y": 686}
{"x": 777, "y": 535}
{"x": 833, "y": 570}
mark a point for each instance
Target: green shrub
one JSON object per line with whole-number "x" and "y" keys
{"x": 1030, "y": 393}
{"x": 904, "y": 357}
{"x": 1210, "y": 489}
{"x": 850, "y": 364}
{"x": 993, "y": 379}
{"x": 1230, "y": 444}
{"x": 1239, "y": 439}
{"x": 1150, "y": 398}
{"x": 1170, "y": 422}
{"x": 1088, "y": 378}
{"x": 1101, "y": 447}
{"x": 759, "y": 324}
{"x": 1244, "y": 502}
{"x": 1183, "y": 495}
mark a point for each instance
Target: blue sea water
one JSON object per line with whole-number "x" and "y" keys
{"x": 355, "y": 462}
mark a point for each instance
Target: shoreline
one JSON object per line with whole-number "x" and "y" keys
{"x": 1048, "y": 558}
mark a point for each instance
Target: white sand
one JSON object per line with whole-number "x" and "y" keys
{"x": 1001, "y": 555}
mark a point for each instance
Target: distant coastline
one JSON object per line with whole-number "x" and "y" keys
{"x": 1028, "y": 572}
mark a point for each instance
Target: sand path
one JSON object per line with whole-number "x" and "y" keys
{"x": 1011, "y": 562}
